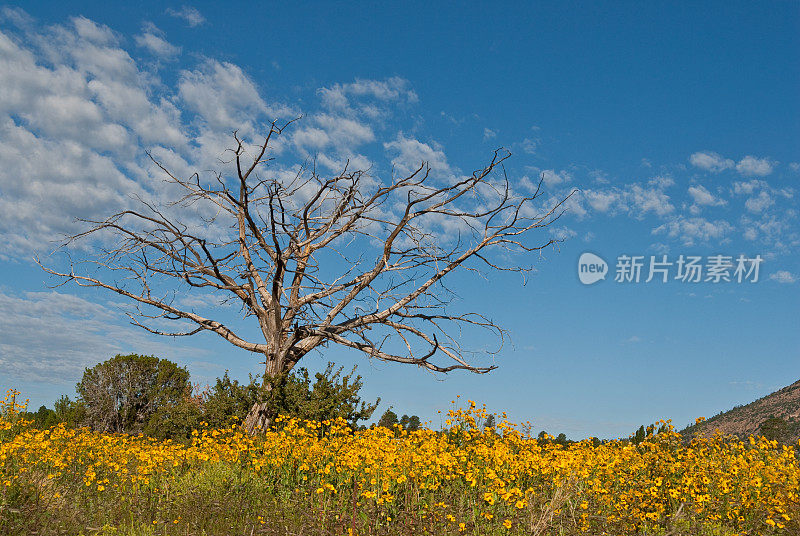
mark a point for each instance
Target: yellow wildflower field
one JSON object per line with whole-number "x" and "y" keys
{"x": 323, "y": 478}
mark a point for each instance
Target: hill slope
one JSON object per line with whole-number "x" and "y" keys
{"x": 756, "y": 418}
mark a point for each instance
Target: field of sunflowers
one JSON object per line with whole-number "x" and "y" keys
{"x": 323, "y": 478}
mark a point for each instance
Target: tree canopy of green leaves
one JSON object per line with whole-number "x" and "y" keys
{"x": 123, "y": 393}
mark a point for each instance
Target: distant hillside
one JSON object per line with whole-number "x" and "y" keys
{"x": 776, "y": 416}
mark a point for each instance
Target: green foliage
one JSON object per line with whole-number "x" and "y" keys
{"x": 133, "y": 393}
{"x": 229, "y": 399}
{"x": 69, "y": 412}
{"x": 331, "y": 394}
{"x": 123, "y": 393}
{"x": 43, "y": 418}
{"x": 775, "y": 429}
{"x": 388, "y": 419}
{"x": 639, "y": 435}
{"x": 410, "y": 423}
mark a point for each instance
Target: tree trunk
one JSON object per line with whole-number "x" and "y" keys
{"x": 258, "y": 418}
{"x": 262, "y": 414}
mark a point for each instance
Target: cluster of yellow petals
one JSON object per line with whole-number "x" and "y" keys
{"x": 500, "y": 477}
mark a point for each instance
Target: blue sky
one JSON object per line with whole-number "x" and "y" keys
{"x": 678, "y": 124}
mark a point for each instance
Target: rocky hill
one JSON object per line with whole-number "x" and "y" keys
{"x": 776, "y": 416}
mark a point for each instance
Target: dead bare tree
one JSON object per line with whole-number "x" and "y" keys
{"x": 285, "y": 257}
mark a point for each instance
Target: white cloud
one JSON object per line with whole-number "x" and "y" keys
{"x": 710, "y": 161}
{"x": 488, "y": 134}
{"x": 760, "y": 202}
{"x": 635, "y": 200}
{"x": 752, "y": 166}
{"x": 16, "y": 16}
{"x": 410, "y": 153}
{"x": 777, "y": 230}
{"x": 346, "y": 134}
{"x": 152, "y": 40}
{"x": 528, "y": 146}
{"x": 602, "y": 201}
{"x": 91, "y": 31}
{"x": 748, "y": 187}
{"x": 40, "y": 200}
{"x": 692, "y": 231}
{"x": 650, "y": 199}
{"x": 783, "y": 276}
{"x": 562, "y": 233}
{"x": 72, "y": 116}
{"x": 189, "y": 14}
{"x": 395, "y": 89}
{"x": 702, "y": 197}
{"x": 222, "y": 95}
{"x": 51, "y": 337}
{"x": 552, "y": 178}
{"x": 77, "y": 114}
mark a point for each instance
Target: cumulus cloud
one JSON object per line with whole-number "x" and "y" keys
{"x": 701, "y": 196}
{"x": 783, "y": 276}
{"x": 635, "y": 200}
{"x": 748, "y": 187}
{"x": 752, "y": 166}
{"x": 552, "y": 178}
{"x": 340, "y": 96}
{"x": 77, "y": 114}
{"x": 749, "y": 166}
{"x": 488, "y": 134}
{"x": 52, "y": 336}
{"x": 710, "y": 162}
{"x": 154, "y": 42}
{"x": 602, "y": 201}
{"x": 760, "y": 202}
{"x": 189, "y": 14}
{"x": 410, "y": 153}
{"x": 222, "y": 95}
{"x": 650, "y": 199}
{"x": 562, "y": 233}
{"x": 528, "y": 146}
{"x": 692, "y": 231}
{"x": 778, "y": 231}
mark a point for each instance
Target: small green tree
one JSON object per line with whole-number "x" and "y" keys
{"x": 388, "y": 419}
{"x": 123, "y": 393}
{"x": 639, "y": 436}
{"x": 413, "y": 424}
{"x": 410, "y": 423}
{"x": 69, "y": 412}
{"x": 43, "y": 418}
{"x": 775, "y": 429}
{"x": 331, "y": 395}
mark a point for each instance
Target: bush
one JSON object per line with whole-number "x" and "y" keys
{"x": 330, "y": 395}
{"x": 123, "y": 393}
